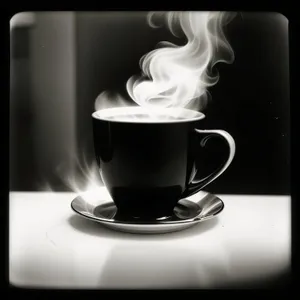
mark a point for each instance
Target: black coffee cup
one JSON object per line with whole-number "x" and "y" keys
{"x": 147, "y": 158}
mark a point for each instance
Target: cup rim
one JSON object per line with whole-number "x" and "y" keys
{"x": 187, "y": 115}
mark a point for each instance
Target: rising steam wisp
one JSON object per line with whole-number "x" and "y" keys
{"x": 179, "y": 76}
{"x": 174, "y": 75}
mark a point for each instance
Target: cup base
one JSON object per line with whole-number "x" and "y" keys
{"x": 146, "y": 203}
{"x": 131, "y": 216}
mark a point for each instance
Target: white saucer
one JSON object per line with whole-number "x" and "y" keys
{"x": 186, "y": 214}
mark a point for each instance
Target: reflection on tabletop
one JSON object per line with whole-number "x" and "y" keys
{"x": 191, "y": 258}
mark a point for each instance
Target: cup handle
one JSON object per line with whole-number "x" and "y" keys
{"x": 196, "y": 186}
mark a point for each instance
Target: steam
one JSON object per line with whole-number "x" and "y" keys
{"x": 79, "y": 176}
{"x": 179, "y": 76}
{"x": 109, "y": 99}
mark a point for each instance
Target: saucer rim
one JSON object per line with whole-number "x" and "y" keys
{"x": 193, "y": 220}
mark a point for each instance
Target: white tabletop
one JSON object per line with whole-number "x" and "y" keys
{"x": 53, "y": 247}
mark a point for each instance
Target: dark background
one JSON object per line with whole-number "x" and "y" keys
{"x": 60, "y": 63}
